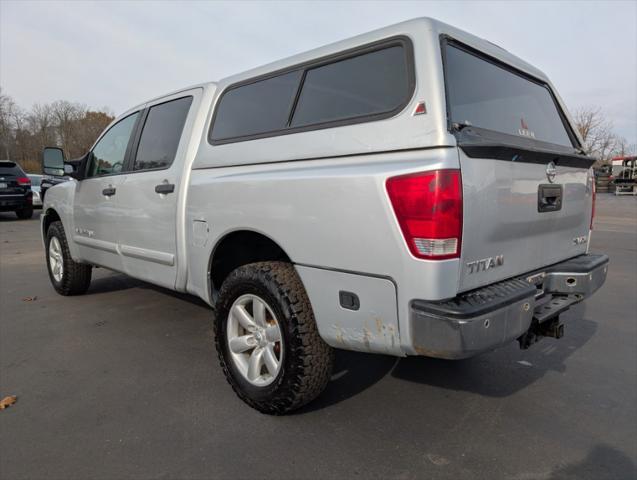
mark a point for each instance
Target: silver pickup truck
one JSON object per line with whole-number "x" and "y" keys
{"x": 415, "y": 190}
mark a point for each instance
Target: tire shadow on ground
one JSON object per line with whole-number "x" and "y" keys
{"x": 353, "y": 373}
{"x": 116, "y": 282}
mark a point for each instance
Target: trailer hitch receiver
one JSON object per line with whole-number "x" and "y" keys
{"x": 549, "y": 328}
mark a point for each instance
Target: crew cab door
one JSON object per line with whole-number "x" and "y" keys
{"x": 150, "y": 197}
{"x": 95, "y": 208}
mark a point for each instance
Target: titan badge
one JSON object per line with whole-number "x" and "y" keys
{"x": 85, "y": 232}
{"x": 485, "y": 264}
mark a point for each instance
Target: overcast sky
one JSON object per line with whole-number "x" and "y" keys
{"x": 117, "y": 54}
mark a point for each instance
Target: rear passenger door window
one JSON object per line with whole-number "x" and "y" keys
{"x": 161, "y": 134}
{"x": 369, "y": 84}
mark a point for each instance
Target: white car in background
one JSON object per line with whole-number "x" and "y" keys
{"x": 35, "y": 188}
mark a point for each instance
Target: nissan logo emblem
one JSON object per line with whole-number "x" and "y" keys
{"x": 551, "y": 171}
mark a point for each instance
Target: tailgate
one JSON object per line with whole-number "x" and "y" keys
{"x": 507, "y": 231}
{"x": 527, "y": 190}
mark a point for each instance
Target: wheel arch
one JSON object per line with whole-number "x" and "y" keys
{"x": 49, "y": 216}
{"x": 237, "y": 248}
{"x": 54, "y": 214}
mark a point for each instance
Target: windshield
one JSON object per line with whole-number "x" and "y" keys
{"x": 485, "y": 95}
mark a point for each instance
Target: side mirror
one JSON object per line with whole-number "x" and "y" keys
{"x": 53, "y": 161}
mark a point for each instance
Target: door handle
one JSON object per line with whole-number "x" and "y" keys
{"x": 109, "y": 192}
{"x": 549, "y": 198}
{"x": 165, "y": 188}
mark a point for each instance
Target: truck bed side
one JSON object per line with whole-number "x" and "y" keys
{"x": 332, "y": 215}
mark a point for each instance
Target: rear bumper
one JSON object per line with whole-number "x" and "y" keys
{"x": 9, "y": 203}
{"x": 486, "y": 318}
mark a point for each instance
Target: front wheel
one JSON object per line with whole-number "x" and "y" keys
{"x": 267, "y": 340}
{"x": 67, "y": 276}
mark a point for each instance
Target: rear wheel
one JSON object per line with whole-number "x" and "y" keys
{"x": 267, "y": 340}
{"x": 67, "y": 276}
{"x": 24, "y": 213}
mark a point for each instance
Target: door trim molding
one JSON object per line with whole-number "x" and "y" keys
{"x": 154, "y": 256}
{"x": 95, "y": 243}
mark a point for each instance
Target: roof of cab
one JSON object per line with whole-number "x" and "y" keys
{"x": 139, "y": 106}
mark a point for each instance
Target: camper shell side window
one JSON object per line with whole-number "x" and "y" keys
{"x": 369, "y": 83}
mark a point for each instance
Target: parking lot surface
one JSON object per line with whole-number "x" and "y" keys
{"x": 123, "y": 382}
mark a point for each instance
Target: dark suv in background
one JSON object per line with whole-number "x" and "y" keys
{"x": 15, "y": 190}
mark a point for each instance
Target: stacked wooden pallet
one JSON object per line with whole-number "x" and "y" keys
{"x": 603, "y": 183}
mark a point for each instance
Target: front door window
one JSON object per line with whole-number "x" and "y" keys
{"x": 110, "y": 152}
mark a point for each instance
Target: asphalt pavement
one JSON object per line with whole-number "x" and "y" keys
{"x": 124, "y": 383}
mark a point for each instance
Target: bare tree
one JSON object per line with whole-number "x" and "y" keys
{"x": 41, "y": 124}
{"x": 597, "y": 132}
{"x": 69, "y": 125}
{"x": 8, "y": 109}
{"x": 87, "y": 129}
{"x": 67, "y": 116}
{"x": 623, "y": 148}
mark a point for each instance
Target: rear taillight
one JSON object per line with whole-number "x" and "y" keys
{"x": 593, "y": 205}
{"x": 23, "y": 181}
{"x": 428, "y": 207}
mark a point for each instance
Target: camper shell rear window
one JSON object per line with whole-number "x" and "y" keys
{"x": 364, "y": 84}
{"x": 483, "y": 93}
